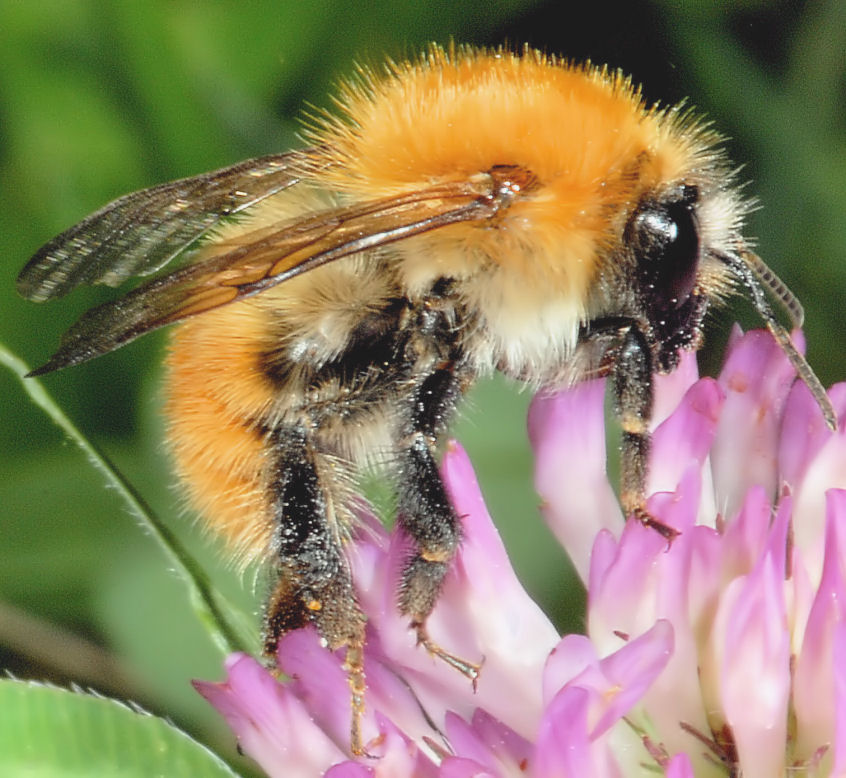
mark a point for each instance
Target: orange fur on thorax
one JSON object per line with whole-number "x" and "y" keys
{"x": 451, "y": 115}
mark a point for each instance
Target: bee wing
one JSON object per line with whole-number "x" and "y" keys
{"x": 271, "y": 255}
{"x": 140, "y": 233}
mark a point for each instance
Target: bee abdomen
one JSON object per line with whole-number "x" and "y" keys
{"x": 217, "y": 396}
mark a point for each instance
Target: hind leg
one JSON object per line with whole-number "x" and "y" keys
{"x": 313, "y": 583}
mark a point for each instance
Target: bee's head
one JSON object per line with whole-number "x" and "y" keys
{"x": 663, "y": 241}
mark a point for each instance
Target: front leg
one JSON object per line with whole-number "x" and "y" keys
{"x": 425, "y": 511}
{"x": 633, "y": 388}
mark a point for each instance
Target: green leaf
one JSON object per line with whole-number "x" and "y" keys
{"x": 46, "y": 731}
{"x": 206, "y": 606}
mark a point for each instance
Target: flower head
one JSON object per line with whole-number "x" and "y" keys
{"x": 724, "y": 653}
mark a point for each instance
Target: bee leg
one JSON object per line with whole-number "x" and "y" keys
{"x": 426, "y": 513}
{"x": 313, "y": 582}
{"x": 633, "y": 386}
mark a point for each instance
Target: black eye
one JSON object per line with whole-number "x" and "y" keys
{"x": 665, "y": 239}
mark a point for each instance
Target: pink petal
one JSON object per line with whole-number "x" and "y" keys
{"x": 461, "y": 767}
{"x": 616, "y": 682}
{"x": 839, "y": 767}
{"x": 745, "y": 536}
{"x": 489, "y": 744}
{"x": 563, "y": 747}
{"x": 757, "y": 379}
{"x": 685, "y": 438}
{"x": 754, "y": 678}
{"x": 391, "y": 708}
{"x": 567, "y": 432}
{"x": 396, "y": 756}
{"x": 620, "y": 594}
{"x": 631, "y": 671}
{"x": 574, "y": 657}
{"x": 602, "y": 558}
{"x": 826, "y": 469}
{"x": 804, "y": 431}
{"x": 779, "y": 537}
{"x": 679, "y": 767}
{"x": 262, "y": 712}
{"x": 629, "y": 594}
{"x": 319, "y": 680}
{"x": 814, "y": 685}
{"x": 676, "y": 694}
{"x": 349, "y": 770}
{"x": 704, "y": 574}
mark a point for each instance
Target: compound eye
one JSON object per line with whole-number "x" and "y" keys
{"x": 665, "y": 238}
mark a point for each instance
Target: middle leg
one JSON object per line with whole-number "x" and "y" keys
{"x": 425, "y": 511}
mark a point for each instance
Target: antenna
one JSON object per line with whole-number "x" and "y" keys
{"x": 758, "y": 279}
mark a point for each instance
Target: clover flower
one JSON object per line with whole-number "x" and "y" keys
{"x": 722, "y": 653}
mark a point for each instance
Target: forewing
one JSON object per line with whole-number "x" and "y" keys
{"x": 268, "y": 256}
{"x": 140, "y": 233}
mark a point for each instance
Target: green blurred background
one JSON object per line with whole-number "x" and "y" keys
{"x": 99, "y": 97}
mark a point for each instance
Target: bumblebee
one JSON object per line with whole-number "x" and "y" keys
{"x": 469, "y": 212}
